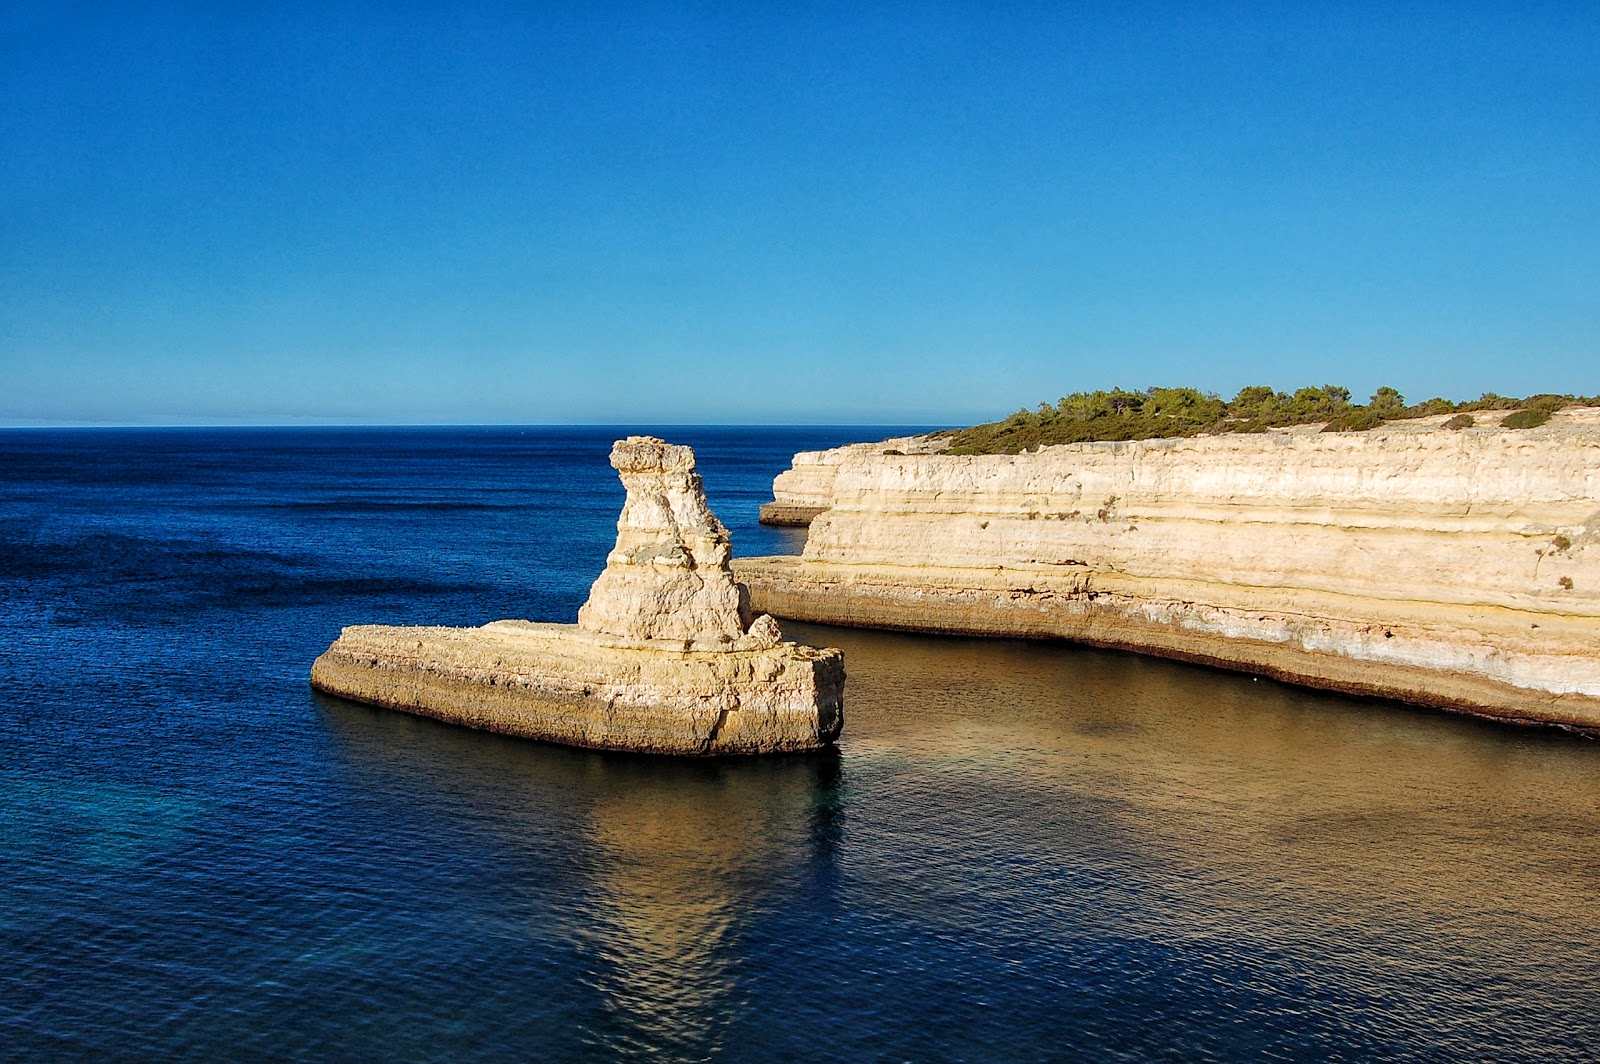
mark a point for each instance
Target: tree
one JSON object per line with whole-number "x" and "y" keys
{"x": 1386, "y": 401}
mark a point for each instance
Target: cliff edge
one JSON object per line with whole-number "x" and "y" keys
{"x": 805, "y": 489}
{"x": 1452, "y": 568}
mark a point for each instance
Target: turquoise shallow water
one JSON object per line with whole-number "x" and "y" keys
{"x": 1018, "y": 851}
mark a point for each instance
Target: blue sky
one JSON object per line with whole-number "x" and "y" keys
{"x": 906, "y": 213}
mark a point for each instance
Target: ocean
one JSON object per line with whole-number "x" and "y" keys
{"x": 1018, "y": 851}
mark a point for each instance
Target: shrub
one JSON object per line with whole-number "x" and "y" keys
{"x": 1529, "y": 418}
{"x": 1327, "y": 401}
{"x": 1387, "y": 401}
{"x": 1186, "y": 404}
{"x": 1084, "y": 406}
{"x": 1565, "y": 582}
{"x": 1436, "y": 405}
{"x": 1125, "y": 402}
{"x": 1359, "y": 419}
{"x": 1490, "y": 401}
{"x": 1118, "y": 414}
{"x": 1253, "y": 397}
{"x": 1561, "y": 543}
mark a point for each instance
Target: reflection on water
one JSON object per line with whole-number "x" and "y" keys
{"x": 669, "y": 860}
{"x": 1443, "y": 869}
{"x": 1023, "y": 843}
{"x": 680, "y": 864}
{"x": 1018, "y": 852}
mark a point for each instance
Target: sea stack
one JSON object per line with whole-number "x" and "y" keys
{"x": 666, "y": 656}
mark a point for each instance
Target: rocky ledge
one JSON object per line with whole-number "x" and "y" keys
{"x": 1456, "y": 569}
{"x": 666, "y": 656}
{"x": 805, "y": 490}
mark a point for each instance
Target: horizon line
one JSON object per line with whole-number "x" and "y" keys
{"x": 42, "y": 424}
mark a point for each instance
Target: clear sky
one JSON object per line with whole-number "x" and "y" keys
{"x": 903, "y": 213}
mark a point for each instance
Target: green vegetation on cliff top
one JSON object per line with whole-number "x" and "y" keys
{"x": 1164, "y": 412}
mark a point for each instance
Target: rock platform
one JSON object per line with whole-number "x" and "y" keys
{"x": 666, "y": 656}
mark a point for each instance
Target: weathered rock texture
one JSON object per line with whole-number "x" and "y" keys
{"x": 559, "y": 683}
{"x": 805, "y": 489}
{"x": 665, "y": 657}
{"x": 1454, "y": 569}
{"x": 668, "y": 577}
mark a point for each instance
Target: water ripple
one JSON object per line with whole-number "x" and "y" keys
{"x": 1019, "y": 852}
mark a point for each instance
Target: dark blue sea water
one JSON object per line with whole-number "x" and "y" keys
{"x": 1018, "y": 851}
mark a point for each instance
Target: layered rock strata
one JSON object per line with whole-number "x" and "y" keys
{"x": 1458, "y": 569}
{"x": 805, "y": 489}
{"x": 666, "y": 656}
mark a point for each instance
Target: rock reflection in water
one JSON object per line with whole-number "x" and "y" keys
{"x": 1020, "y": 847}
{"x": 1377, "y": 868}
{"x": 683, "y": 862}
{"x": 648, "y": 868}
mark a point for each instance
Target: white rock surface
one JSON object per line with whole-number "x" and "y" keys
{"x": 1406, "y": 560}
{"x": 665, "y": 657}
{"x": 806, "y": 487}
{"x": 668, "y": 576}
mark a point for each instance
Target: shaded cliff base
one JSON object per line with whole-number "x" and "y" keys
{"x": 788, "y": 514}
{"x": 1274, "y": 643}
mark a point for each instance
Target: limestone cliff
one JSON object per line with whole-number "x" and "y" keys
{"x": 805, "y": 489}
{"x": 1453, "y": 568}
{"x": 665, "y": 657}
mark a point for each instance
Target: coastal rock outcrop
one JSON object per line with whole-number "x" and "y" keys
{"x": 1458, "y": 569}
{"x": 666, "y": 656}
{"x": 667, "y": 578}
{"x": 805, "y": 489}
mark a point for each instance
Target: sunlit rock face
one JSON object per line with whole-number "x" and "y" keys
{"x": 805, "y": 489}
{"x": 665, "y": 657}
{"x": 1458, "y": 569}
{"x": 668, "y": 576}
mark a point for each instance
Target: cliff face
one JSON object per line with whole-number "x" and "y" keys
{"x": 805, "y": 489}
{"x": 1454, "y": 568}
